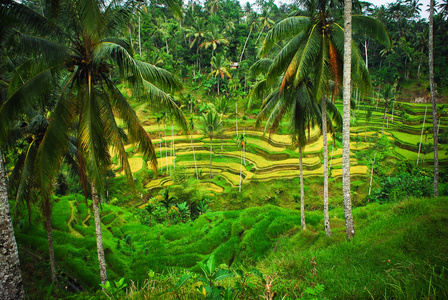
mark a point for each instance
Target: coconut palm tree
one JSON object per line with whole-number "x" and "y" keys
{"x": 314, "y": 48}
{"x": 211, "y": 125}
{"x": 213, "y": 38}
{"x": 219, "y": 68}
{"x": 388, "y": 97}
{"x": 222, "y": 107}
{"x": 264, "y": 21}
{"x": 296, "y": 104}
{"x": 80, "y": 49}
{"x": 253, "y": 24}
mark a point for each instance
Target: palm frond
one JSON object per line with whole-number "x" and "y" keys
{"x": 159, "y": 77}
{"x": 260, "y": 66}
{"x": 54, "y": 144}
{"x": 113, "y": 135}
{"x": 322, "y": 71}
{"x": 135, "y": 129}
{"x": 26, "y": 179}
{"x": 291, "y": 50}
{"x": 21, "y": 98}
{"x": 90, "y": 15}
{"x": 286, "y": 28}
{"x": 309, "y": 53}
{"x": 161, "y": 100}
{"x": 373, "y": 28}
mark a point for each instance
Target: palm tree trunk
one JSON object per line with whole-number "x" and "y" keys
{"x": 349, "y": 225}
{"x": 245, "y": 44}
{"x": 161, "y": 155}
{"x": 433, "y": 98}
{"x": 241, "y": 170}
{"x": 324, "y": 133}
{"x": 139, "y": 38}
{"x": 258, "y": 37}
{"x": 365, "y": 133}
{"x": 47, "y": 212}
{"x": 99, "y": 236}
{"x": 10, "y": 275}
{"x": 302, "y": 192}
{"x": 172, "y": 141}
{"x": 421, "y": 135}
{"x": 166, "y": 154}
{"x": 236, "y": 117}
{"x": 218, "y": 84}
{"x": 211, "y": 148}
{"x": 194, "y": 158}
{"x": 371, "y": 173}
{"x": 384, "y": 117}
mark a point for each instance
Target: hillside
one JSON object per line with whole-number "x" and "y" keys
{"x": 400, "y": 249}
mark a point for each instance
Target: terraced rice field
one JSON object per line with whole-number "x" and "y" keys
{"x": 269, "y": 157}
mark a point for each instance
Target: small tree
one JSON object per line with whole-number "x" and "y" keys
{"x": 211, "y": 125}
{"x": 167, "y": 203}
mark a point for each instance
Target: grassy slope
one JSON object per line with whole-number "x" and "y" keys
{"x": 398, "y": 248}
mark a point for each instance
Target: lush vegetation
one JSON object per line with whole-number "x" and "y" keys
{"x": 145, "y": 122}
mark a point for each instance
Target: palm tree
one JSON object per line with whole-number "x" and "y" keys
{"x": 219, "y": 68}
{"x": 192, "y": 146}
{"x": 197, "y": 31}
{"x": 433, "y": 94}
{"x": 167, "y": 203}
{"x": 388, "y": 97}
{"x": 212, "y": 38}
{"x": 296, "y": 104}
{"x": 252, "y": 23}
{"x": 79, "y": 48}
{"x": 264, "y": 22}
{"x": 22, "y": 182}
{"x": 211, "y": 125}
{"x": 314, "y": 49}
{"x": 222, "y": 107}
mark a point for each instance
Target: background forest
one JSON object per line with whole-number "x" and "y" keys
{"x": 148, "y": 152}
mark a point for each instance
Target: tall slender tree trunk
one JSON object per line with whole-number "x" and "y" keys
{"x": 324, "y": 133}
{"x": 421, "y": 135}
{"x": 302, "y": 192}
{"x": 172, "y": 141}
{"x": 349, "y": 225}
{"x": 245, "y": 44}
{"x": 384, "y": 117}
{"x": 48, "y": 227}
{"x": 161, "y": 154}
{"x": 371, "y": 173}
{"x": 194, "y": 158}
{"x": 241, "y": 169}
{"x": 11, "y": 284}
{"x": 258, "y": 37}
{"x": 365, "y": 132}
{"x": 211, "y": 149}
{"x": 236, "y": 117}
{"x": 433, "y": 98}
{"x": 139, "y": 38}
{"x": 99, "y": 236}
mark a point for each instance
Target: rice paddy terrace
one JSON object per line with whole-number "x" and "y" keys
{"x": 272, "y": 157}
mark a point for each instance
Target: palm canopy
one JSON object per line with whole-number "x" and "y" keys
{"x": 314, "y": 47}
{"x": 76, "y": 60}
